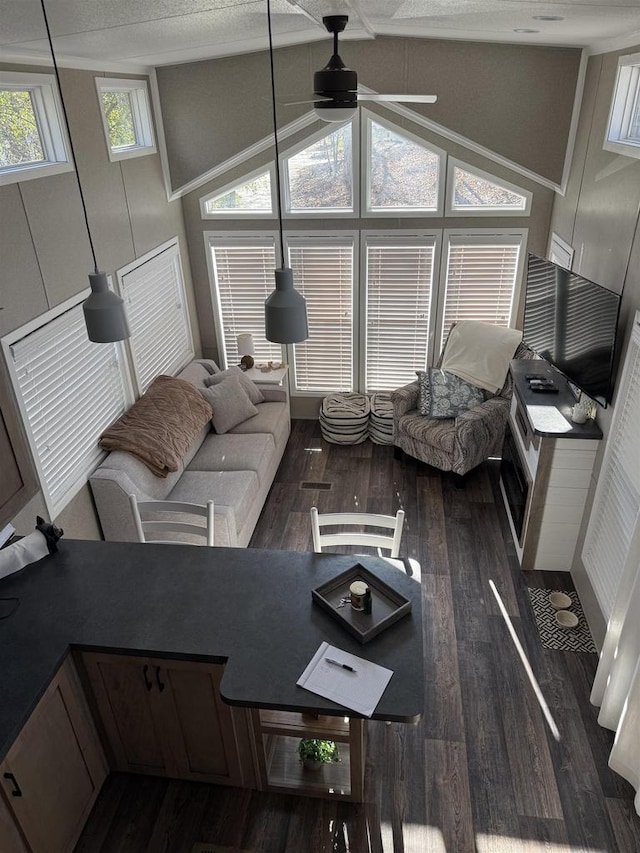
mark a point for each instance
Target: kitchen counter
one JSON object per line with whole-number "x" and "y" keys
{"x": 249, "y": 609}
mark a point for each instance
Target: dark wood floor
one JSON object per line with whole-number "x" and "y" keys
{"x": 480, "y": 772}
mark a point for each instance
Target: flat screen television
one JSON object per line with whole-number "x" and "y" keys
{"x": 571, "y": 322}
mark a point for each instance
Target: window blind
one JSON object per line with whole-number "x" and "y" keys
{"x": 243, "y": 278}
{"x": 323, "y": 273}
{"x": 480, "y": 279}
{"x": 399, "y": 282}
{"x": 70, "y": 390}
{"x": 616, "y": 506}
{"x": 160, "y": 339}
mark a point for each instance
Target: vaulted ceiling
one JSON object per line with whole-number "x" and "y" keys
{"x": 160, "y": 32}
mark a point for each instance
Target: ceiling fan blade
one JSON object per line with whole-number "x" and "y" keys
{"x": 313, "y": 100}
{"x": 406, "y": 99}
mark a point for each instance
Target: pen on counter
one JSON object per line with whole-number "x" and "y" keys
{"x": 343, "y": 665}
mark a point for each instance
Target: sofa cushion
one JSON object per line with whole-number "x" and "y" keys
{"x": 235, "y": 453}
{"x": 272, "y": 418}
{"x": 450, "y": 395}
{"x": 195, "y": 372}
{"x": 253, "y": 392}
{"x": 161, "y": 426}
{"x": 230, "y": 491}
{"x": 439, "y": 432}
{"x": 230, "y": 403}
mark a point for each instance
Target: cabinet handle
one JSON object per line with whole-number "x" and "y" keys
{"x": 16, "y": 788}
{"x": 147, "y": 680}
{"x": 160, "y": 684}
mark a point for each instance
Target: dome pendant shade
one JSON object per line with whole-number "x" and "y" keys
{"x": 285, "y": 311}
{"x": 104, "y": 312}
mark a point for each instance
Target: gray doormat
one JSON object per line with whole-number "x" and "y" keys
{"x": 576, "y": 639}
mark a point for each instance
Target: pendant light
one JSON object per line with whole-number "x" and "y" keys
{"x": 104, "y": 312}
{"x": 285, "y": 310}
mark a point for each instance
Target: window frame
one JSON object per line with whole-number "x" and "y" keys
{"x": 624, "y": 102}
{"x": 395, "y": 212}
{"x": 172, "y": 247}
{"x": 138, "y": 91}
{"x": 51, "y": 127}
{"x": 354, "y": 213}
{"x": 410, "y": 237}
{"x": 82, "y": 475}
{"x": 228, "y": 187}
{"x": 452, "y": 210}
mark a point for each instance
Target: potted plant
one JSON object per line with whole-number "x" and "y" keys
{"x": 314, "y": 752}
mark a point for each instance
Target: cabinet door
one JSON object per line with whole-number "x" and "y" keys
{"x": 125, "y": 693}
{"x": 199, "y": 727}
{"x": 10, "y": 838}
{"x": 55, "y": 769}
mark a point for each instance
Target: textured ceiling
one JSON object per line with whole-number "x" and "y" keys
{"x": 160, "y": 32}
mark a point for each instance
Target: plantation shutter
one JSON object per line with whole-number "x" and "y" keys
{"x": 616, "y": 506}
{"x": 399, "y": 281}
{"x": 480, "y": 279}
{"x": 70, "y": 391}
{"x": 243, "y": 275}
{"x": 323, "y": 274}
{"x": 156, "y": 307}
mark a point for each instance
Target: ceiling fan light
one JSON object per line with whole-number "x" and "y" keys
{"x": 327, "y": 112}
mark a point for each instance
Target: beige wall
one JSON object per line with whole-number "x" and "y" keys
{"x": 44, "y": 246}
{"x": 515, "y": 100}
{"x": 600, "y": 218}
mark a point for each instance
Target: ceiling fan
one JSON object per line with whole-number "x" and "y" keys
{"x": 336, "y": 86}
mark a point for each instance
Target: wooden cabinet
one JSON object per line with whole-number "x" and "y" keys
{"x": 277, "y": 735}
{"x": 166, "y": 718}
{"x": 10, "y": 837}
{"x": 55, "y": 769}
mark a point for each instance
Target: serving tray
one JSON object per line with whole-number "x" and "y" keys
{"x": 387, "y": 604}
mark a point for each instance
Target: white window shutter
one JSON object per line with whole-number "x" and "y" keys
{"x": 323, "y": 272}
{"x": 480, "y": 278}
{"x": 399, "y": 282}
{"x": 243, "y": 277}
{"x": 616, "y": 506}
{"x": 153, "y": 291}
{"x": 70, "y": 391}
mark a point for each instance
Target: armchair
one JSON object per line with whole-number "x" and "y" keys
{"x": 452, "y": 444}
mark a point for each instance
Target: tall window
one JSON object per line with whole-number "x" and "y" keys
{"x": 32, "y": 140}
{"x": 323, "y": 272}
{"x": 153, "y": 290}
{"x": 69, "y": 390}
{"x": 623, "y": 130}
{"x": 399, "y": 283}
{"x": 241, "y": 271}
{"x": 319, "y": 178}
{"x": 126, "y": 117}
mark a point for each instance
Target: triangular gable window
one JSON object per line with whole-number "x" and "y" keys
{"x": 251, "y": 197}
{"x": 319, "y": 177}
{"x": 403, "y": 173}
{"x": 472, "y": 192}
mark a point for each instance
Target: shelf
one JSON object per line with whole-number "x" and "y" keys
{"x": 304, "y": 725}
{"x": 285, "y": 772}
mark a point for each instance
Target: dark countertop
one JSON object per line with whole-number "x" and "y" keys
{"x": 563, "y": 400}
{"x": 249, "y": 608}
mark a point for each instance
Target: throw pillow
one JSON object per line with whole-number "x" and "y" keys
{"x": 424, "y": 392}
{"x": 254, "y": 393}
{"x": 450, "y": 395}
{"x": 230, "y": 403}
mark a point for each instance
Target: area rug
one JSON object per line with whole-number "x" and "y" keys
{"x": 552, "y": 636}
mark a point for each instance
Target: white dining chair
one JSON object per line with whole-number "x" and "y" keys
{"x": 174, "y": 519}
{"x": 389, "y": 540}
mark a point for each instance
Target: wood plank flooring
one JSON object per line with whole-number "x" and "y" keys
{"x": 480, "y": 773}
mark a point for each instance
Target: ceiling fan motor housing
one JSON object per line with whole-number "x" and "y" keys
{"x": 335, "y": 80}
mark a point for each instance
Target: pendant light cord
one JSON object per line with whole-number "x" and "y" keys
{"x": 275, "y": 132}
{"x": 66, "y": 121}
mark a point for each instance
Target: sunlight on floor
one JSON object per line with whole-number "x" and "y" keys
{"x": 507, "y": 844}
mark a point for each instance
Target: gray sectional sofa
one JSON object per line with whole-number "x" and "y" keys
{"x": 235, "y": 470}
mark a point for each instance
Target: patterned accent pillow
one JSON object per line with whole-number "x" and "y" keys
{"x": 450, "y": 395}
{"x": 424, "y": 392}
